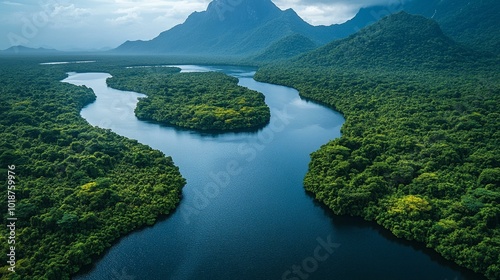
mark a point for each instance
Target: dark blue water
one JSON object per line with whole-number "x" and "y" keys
{"x": 245, "y": 214}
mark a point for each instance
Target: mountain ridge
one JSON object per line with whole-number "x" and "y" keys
{"x": 243, "y": 28}
{"x": 247, "y": 28}
{"x": 398, "y": 40}
{"x": 27, "y": 50}
{"x": 472, "y": 23}
{"x": 286, "y": 48}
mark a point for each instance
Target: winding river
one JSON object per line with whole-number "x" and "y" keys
{"x": 245, "y": 214}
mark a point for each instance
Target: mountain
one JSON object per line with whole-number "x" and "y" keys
{"x": 472, "y": 23}
{"x": 365, "y": 17}
{"x": 398, "y": 40}
{"x": 230, "y": 29}
{"x": 25, "y": 50}
{"x": 286, "y": 48}
{"x": 249, "y": 27}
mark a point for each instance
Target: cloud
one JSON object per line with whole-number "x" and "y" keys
{"x": 164, "y": 13}
{"x": 107, "y": 23}
{"x": 364, "y": 3}
{"x": 322, "y": 14}
{"x": 70, "y": 11}
{"x": 326, "y": 12}
{"x": 167, "y": 11}
{"x": 12, "y": 3}
{"x": 127, "y": 18}
{"x": 65, "y": 16}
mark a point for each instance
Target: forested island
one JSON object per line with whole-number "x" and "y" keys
{"x": 203, "y": 101}
{"x": 419, "y": 151}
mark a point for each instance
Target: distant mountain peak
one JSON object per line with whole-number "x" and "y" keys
{"x": 250, "y": 27}
{"x": 27, "y": 50}
{"x": 230, "y": 10}
{"x": 230, "y": 27}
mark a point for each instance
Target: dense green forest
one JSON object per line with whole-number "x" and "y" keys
{"x": 285, "y": 48}
{"x": 473, "y": 23}
{"x": 420, "y": 150}
{"x": 204, "y": 101}
{"x": 77, "y": 188}
{"x": 401, "y": 40}
{"x": 419, "y": 155}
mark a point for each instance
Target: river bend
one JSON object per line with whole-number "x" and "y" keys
{"x": 244, "y": 212}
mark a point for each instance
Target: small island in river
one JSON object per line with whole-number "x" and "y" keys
{"x": 202, "y": 101}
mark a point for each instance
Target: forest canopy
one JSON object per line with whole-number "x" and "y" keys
{"x": 78, "y": 188}
{"x": 203, "y": 101}
{"x": 419, "y": 153}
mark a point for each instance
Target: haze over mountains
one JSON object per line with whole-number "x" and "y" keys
{"x": 224, "y": 28}
{"x": 247, "y": 28}
{"x": 250, "y": 27}
{"x": 472, "y": 23}
{"x": 26, "y": 50}
{"x": 259, "y": 30}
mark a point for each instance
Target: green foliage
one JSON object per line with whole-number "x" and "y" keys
{"x": 78, "y": 188}
{"x": 204, "y": 101}
{"x": 472, "y": 23}
{"x": 286, "y": 48}
{"x": 419, "y": 152}
{"x": 399, "y": 40}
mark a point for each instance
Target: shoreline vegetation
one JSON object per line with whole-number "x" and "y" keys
{"x": 208, "y": 102}
{"x": 78, "y": 188}
{"x": 81, "y": 188}
{"x": 418, "y": 154}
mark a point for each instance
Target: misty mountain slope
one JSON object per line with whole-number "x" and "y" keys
{"x": 474, "y": 23}
{"x": 246, "y": 28}
{"x": 365, "y": 17}
{"x": 203, "y": 32}
{"x": 399, "y": 40}
{"x": 286, "y": 24}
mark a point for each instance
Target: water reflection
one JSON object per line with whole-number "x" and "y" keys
{"x": 244, "y": 212}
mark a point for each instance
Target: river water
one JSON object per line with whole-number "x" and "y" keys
{"x": 244, "y": 212}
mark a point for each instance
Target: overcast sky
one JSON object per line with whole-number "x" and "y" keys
{"x": 95, "y": 24}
